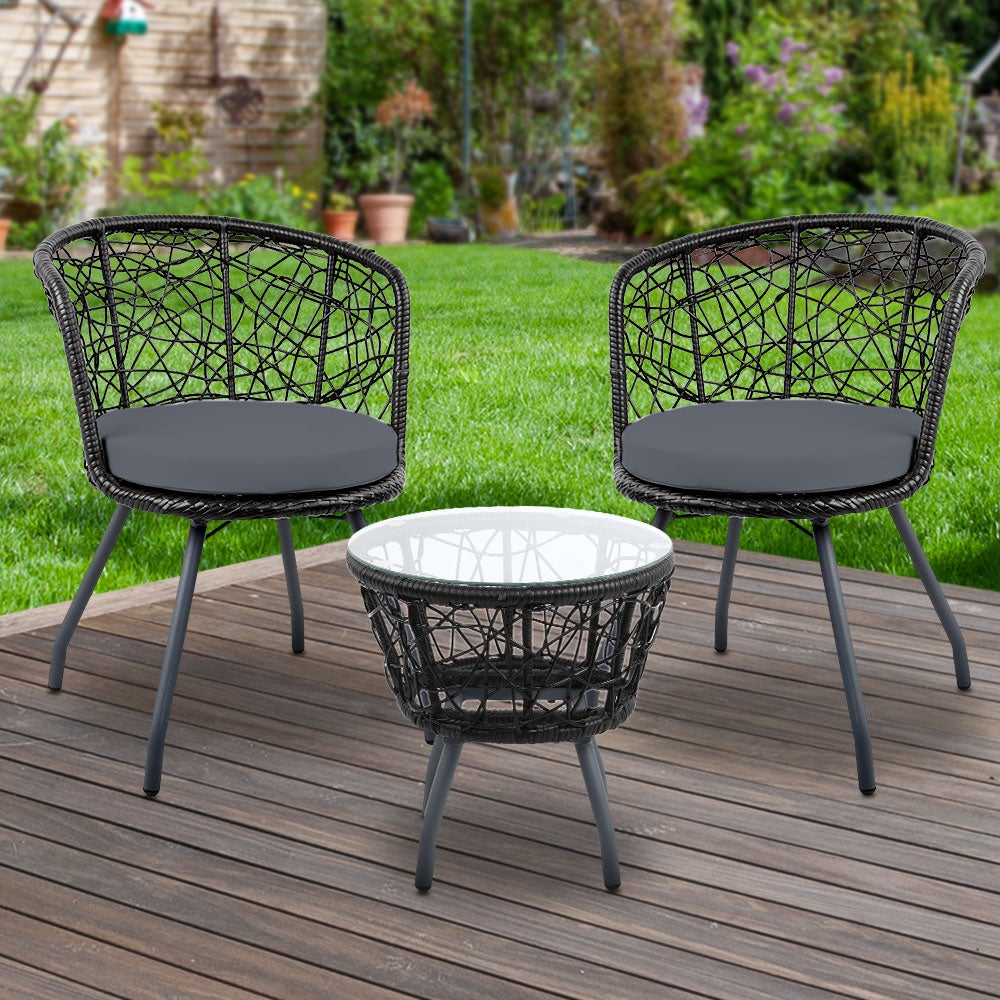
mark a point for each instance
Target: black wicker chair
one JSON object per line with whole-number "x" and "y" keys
{"x": 791, "y": 368}
{"x": 226, "y": 370}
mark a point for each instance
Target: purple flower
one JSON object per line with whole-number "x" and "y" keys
{"x": 823, "y": 129}
{"x": 837, "y": 108}
{"x": 772, "y": 79}
{"x": 698, "y": 113}
{"x": 733, "y": 52}
{"x": 833, "y": 74}
{"x": 786, "y": 112}
{"x": 746, "y": 154}
{"x": 741, "y": 129}
{"x": 790, "y": 48}
{"x": 755, "y": 74}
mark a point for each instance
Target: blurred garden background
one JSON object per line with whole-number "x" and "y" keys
{"x": 632, "y": 121}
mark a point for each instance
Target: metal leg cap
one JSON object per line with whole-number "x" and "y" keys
{"x": 613, "y": 886}
{"x": 55, "y": 689}
{"x": 868, "y": 791}
{"x": 423, "y": 889}
{"x": 965, "y": 687}
{"x": 721, "y": 649}
{"x": 151, "y": 792}
{"x": 299, "y": 649}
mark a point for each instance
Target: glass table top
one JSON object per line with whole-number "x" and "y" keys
{"x": 509, "y": 546}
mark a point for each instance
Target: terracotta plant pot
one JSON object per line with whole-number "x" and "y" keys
{"x": 386, "y": 216}
{"x": 4, "y": 230}
{"x": 341, "y": 224}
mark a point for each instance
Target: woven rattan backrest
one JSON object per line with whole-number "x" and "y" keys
{"x": 163, "y": 309}
{"x": 859, "y": 308}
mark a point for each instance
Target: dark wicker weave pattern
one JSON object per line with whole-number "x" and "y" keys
{"x": 166, "y": 309}
{"x": 858, "y": 308}
{"x": 491, "y": 665}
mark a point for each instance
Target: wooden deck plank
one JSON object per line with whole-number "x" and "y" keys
{"x": 19, "y": 981}
{"x": 285, "y": 840}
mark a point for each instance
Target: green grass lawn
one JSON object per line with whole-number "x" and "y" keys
{"x": 509, "y": 403}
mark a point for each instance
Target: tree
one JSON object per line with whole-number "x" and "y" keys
{"x": 639, "y": 117}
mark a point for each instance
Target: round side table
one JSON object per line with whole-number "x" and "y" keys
{"x": 513, "y": 625}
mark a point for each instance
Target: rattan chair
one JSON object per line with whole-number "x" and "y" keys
{"x": 792, "y": 368}
{"x": 226, "y": 370}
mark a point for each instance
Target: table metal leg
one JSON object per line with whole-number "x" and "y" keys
{"x": 434, "y": 810}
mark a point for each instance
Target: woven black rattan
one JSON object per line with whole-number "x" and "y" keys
{"x": 158, "y": 310}
{"x": 164, "y": 309}
{"x": 472, "y": 662}
{"x": 852, "y": 309}
{"x": 858, "y": 308}
{"x": 514, "y": 663}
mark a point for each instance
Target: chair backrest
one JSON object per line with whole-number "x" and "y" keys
{"x": 162, "y": 309}
{"x": 860, "y": 308}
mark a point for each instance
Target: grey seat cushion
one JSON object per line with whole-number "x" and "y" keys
{"x": 246, "y": 446}
{"x": 771, "y": 446}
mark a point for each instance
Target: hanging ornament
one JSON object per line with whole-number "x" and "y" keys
{"x": 125, "y": 17}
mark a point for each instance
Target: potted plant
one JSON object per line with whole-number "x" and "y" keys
{"x": 47, "y": 170}
{"x": 399, "y": 117}
{"x": 340, "y": 217}
{"x": 496, "y": 204}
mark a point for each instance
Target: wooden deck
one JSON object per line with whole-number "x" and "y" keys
{"x": 278, "y": 859}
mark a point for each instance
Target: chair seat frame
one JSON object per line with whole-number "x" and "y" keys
{"x": 905, "y": 257}
{"x": 99, "y": 257}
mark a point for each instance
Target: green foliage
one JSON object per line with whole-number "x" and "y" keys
{"x": 969, "y": 28}
{"x": 913, "y": 134}
{"x": 178, "y": 164}
{"x": 639, "y": 117}
{"x": 264, "y": 199}
{"x": 491, "y": 186}
{"x": 46, "y": 167}
{"x": 374, "y": 46}
{"x": 27, "y": 235}
{"x": 770, "y": 153}
{"x": 965, "y": 211}
{"x": 162, "y": 203}
{"x": 18, "y": 149}
{"x": 713, "y": 23}
{"x": 543, "y": 215}
{"x": 339, "y": 202}
{"x": 433, "y": 195}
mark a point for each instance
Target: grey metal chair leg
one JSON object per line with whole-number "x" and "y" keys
{"x": 590, "y": 764}
{"x": 662, "y": 518}
{"x": 292, "y": 584}
{"x": 83, "y": 595}
{"x": 600, "y": 764}
{"x": 434, "y": 810}
{"x": 936, "y": 594}
{"x": 845, "y": 653}
{"x": 726, "y": 583}
{"x": 356, "y": 519}
{"x": 433, "y": 759}
{"x": 172, "y": 658}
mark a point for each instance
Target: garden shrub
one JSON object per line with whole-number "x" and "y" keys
{"x": 913, "y": 133}
{"x": 640, "y": 121}
{"x": 433, "y": 195}
{"x": 178, "y": 165}
{"x": 769, "y": 153}
{"x": 264, "y": 199}
{"x": 47, "y": 169}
